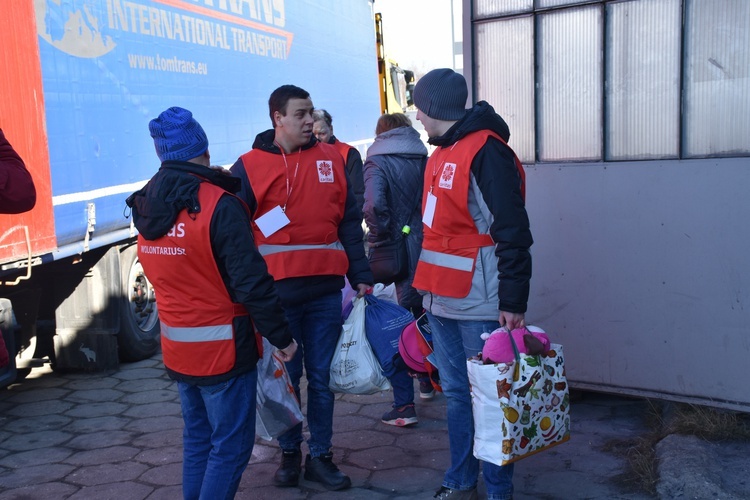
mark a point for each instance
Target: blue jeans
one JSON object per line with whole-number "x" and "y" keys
{"x": 454, "y": 341}
{"x": 403, "y": 388}
{"x": 218, "y": 436}
{"x": 316, "y": 326}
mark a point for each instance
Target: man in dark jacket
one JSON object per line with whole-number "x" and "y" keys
{"x": 308, "y": 227}
{"x": 475, "y": 264}
{"x": 196, "y": 246}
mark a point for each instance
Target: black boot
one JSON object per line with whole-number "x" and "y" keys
{"x": 322, "y": 470}
{"x": 288, "y": 472}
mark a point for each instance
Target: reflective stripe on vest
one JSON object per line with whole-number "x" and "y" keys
{"x": 272, "y": 249}
{"x": 196, "y": 333}
{"x": 446, "y": 260}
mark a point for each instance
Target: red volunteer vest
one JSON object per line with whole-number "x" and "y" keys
{"x": 195, "y": 311}
{"x": 450, "y": 247}
{"x": 342, "y": 148}
{"x": 314, "y": 199}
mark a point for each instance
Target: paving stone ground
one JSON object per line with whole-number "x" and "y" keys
{"x": 118, "y": 436}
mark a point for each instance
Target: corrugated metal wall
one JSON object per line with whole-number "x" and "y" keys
{"x": 641, "y": 265}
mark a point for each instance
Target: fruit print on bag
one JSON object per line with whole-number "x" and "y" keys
{"x": 519, "y": 410}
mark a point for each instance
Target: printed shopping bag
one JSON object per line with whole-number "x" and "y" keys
{"x": 277, "y": 409}
{"x": 384, "y": 322}
{"x": 520, "y": 408}
{"x": 354, "y": 368}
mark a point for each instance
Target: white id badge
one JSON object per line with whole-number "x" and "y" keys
{"x": 272, "y": 221}
{"x": 429, "y": 209}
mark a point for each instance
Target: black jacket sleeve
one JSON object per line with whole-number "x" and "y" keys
{"x": 17, "y": 191}
{"x": 351, "y": 237}
{"x": 499, "y": 181}
{"x": 354, "y": 170}
{"x": 244, "y": 271}
{"x": 246, "y": 192}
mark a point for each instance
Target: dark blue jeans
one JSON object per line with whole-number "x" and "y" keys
{"x": 218, "y": 436}
{"x": 454, "y": 341}
{"x": 403, "y": 388}
{"x": 316, "y": 326}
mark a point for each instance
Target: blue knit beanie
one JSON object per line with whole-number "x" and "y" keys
{"x": 177, "y": 136}
{"x": 441, "y": 94}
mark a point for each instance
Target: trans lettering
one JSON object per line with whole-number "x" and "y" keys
{"x": 125, "y": 12}
{"x": 273, "y": 10}
{"x": 177, "y": 230}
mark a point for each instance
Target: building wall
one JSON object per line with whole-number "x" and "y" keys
{"x": 633, "y": 121}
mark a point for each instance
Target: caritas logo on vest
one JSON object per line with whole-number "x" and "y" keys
{"x": 325, "y": 171}
{"x": 446, "y": 178}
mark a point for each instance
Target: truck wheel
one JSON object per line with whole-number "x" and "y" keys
{"x": 139, "y": 321}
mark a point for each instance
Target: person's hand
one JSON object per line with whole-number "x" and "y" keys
{"x": 362, "y": 290}
{"x": 287, "y": 353}
{"x": 511, "y": 320}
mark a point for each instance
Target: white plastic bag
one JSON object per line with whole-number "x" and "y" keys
{"x": 277, "y": 409}
{"x": 354, "y": 368}
{"x": 384, "y": 292}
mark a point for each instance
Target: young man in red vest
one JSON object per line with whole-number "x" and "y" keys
{"x": 196, "y": 246}
{"x": 475, "y": 265}
{"x": 323, "y": 131}
{"x": 308, "y": 228}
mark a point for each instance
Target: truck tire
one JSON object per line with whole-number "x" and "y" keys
{"x": 139, "y": 321}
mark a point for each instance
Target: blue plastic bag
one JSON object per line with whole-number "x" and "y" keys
{"x": 384, "y": 322}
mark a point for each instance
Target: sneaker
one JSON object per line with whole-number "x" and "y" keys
{"x": 426, "y": 391}
{"x": 288, "y": 472}
{"x": 401, "y": 417}
{"x": 322, "y": 470}
{"x": 448, "y": 493}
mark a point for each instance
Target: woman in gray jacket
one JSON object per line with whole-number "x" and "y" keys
{"x": 393, "y": 174}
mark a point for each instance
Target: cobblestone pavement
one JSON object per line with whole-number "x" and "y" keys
{"x": 118, "y": 436}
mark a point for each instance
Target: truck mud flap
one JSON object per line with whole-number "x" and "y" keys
{"x": 87, "y": 321}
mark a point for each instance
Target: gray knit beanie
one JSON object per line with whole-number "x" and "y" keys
{"x": 441, "y": 94}
{"x": 177, "y": 136}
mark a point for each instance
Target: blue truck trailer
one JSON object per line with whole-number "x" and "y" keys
{"x": 80, "y": 81}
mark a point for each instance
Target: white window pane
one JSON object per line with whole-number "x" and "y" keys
{"x": 717, "y": 78}
{"x": 505, "y": 78}
{"x": 542, "y": 4}
{"x": 643, "y": 84}
{"x": 484, "y": 8}
{"x": 570, "y": 84}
